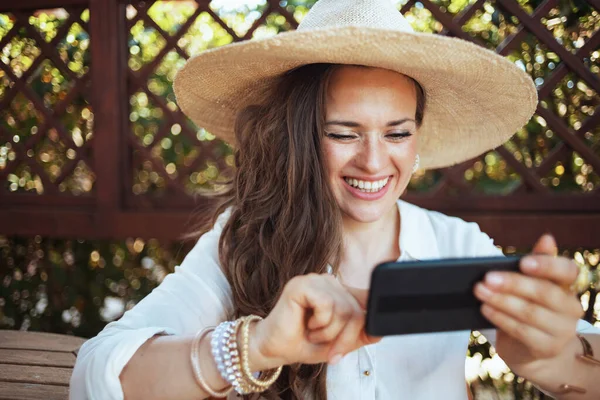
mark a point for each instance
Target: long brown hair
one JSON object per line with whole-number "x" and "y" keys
{"x": 284, "y": 220}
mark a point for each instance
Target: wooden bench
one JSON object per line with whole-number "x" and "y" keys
{"x": 36, "y": 366}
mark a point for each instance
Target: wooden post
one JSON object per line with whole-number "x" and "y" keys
{"x": 109, "y": 103}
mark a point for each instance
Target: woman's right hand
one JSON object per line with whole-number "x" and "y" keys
{"x": 315, "y": 320}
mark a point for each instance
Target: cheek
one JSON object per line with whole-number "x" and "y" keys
{"x": 404, "y": 156}
{"x": 336, "y": 156}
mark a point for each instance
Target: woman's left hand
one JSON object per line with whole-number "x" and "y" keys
{"x": 535, "y": 312}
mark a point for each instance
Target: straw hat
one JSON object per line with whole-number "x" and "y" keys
{"x": 475, "y": 99}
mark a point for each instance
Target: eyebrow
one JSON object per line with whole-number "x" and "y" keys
{"x": 352, "y": 124}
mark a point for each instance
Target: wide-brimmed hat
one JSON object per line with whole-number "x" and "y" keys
{"x": 475, "y": 98}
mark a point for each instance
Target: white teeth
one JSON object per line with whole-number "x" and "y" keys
{"x": 367, "y": 186}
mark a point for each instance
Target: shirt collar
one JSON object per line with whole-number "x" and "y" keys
{"x": 417, "y": 238}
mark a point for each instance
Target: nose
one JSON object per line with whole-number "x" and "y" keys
{"x": 372, "y": 155}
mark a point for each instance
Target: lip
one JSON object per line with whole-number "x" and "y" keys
{"x": 367, "y": 196}
{"x": 369, "y": 179}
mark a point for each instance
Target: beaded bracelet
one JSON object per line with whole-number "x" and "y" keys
{"x": 240, "y": 384}
{"x": 226, "y": 353}
{"x": 218, "y": 341}
{"x": 196, "y": 366}
{"x": 270, "y": 376}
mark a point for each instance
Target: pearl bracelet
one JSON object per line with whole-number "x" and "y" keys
{"x": 233, "y": 362}
{"x": 224, "y": 346}
{"x": 216, "y": 342}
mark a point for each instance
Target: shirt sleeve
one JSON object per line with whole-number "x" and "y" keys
{"x": 195, "y": 296}
{"x": 587, "y": 328}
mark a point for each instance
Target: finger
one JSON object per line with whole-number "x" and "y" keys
{"x": 316, "y": 353}
{"x": 560, "y": 270}
{"x": 343, "y": 313}
{"x": 321, "y": 316}
{"x": 309, "y": 293}
{"x": 361, "y": 295}
{"x": 546, "y": 245}
{"x": 539, "y": 343}
{"x": 347, "y": 340}
{"x": 344, "y": 308}
{"x": 322, "y": 306}
{"x": 525, "y": 311}
{"x": 537, "y": 290}
{"x": 368, "y": 339}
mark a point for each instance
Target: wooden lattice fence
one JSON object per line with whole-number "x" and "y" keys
{"x": 92, "y": 143}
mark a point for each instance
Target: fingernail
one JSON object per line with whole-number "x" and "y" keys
{"x": 530, "y": 264}
{"x": 485, "y": 309}
{"x": 335, "y": 359}
{"x": 494, "y": 279}
{"x": 483, "y": 291}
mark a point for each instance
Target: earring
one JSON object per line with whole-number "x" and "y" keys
{"x": 416, "y": 166}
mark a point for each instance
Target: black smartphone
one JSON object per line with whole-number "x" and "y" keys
{"x": 429, "y": 296}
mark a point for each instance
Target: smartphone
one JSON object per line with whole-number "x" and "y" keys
{"x": 430, "y": 296}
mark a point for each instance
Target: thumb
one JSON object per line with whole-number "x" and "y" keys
{"x": 361, "y": 295}
{"x": 545, "y": 245}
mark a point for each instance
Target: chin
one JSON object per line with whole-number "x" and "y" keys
{"x": 367, "y": 213}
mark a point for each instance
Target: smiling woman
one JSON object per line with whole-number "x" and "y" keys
{"x": 327, "y": 123}
{"x": 370, "y": 146}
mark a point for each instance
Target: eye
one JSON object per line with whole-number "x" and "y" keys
{"x": 398, "y": 135}
{"x": 341, "y": 136}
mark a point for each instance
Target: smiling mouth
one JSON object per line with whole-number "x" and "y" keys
{"x": 367, "y": 186}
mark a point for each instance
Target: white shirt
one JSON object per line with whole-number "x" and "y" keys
{"x": 197, "y": 295}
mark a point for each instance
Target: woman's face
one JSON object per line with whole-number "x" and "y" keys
{"x": 369, "y": 143}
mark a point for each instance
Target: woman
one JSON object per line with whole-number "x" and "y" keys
{"x": 330, "y": 122}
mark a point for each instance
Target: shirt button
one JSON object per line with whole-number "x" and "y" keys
{"x": 366, "y": 372}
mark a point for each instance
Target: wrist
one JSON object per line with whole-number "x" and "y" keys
{"x": 258, "y": 353}
{"x": 564, "y": 369}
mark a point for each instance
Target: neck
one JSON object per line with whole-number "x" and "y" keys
{"x": 371, "y": 242}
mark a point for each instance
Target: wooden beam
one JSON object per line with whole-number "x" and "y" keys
{"x": 48, "y": 201}
{"x": 524, "y": 203}
{"x": 508, "y": 229}
{"x": 464, "y": 202}
{"x": 522, "y": 230}
{"x": 28, "y": 5}
{"x": 108, "y": 38}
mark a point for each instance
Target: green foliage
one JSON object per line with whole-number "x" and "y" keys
{"x": 76, "y": 286}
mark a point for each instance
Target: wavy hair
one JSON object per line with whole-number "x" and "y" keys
{"x": 284, "y": 220}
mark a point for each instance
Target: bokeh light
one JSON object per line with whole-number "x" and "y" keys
{"x": 49, "y": 123}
